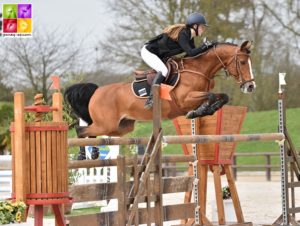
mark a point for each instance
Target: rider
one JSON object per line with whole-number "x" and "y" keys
{"x": 175, "y": 39}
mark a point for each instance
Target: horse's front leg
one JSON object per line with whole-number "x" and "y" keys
{"x": 221, "y": 100}
{"x": 203, "y": 108}
{"x": 213, "y": 103}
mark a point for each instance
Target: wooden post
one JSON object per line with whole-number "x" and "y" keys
{"x": 121, "y": 191}
{"x": 158, "y": 207}
{"x": 268, "y": 170}
{"x": 202, "y": 190}
{"x": 218, "y": 193}
{"x": 136, "y": 184}
{"x": 57, "y": 103}
{"x": 148, "y": 183}
{"x": 234, "y": 194}
{"x": 19, "y": 146}
{"x": 58, "y": 117}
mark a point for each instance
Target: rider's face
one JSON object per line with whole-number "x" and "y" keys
{"x": 201, "y": 29}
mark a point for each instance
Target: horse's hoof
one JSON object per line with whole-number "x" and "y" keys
{"x": 190, "y": 115}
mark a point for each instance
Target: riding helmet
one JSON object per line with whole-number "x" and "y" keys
{"x": 196, "y": 18}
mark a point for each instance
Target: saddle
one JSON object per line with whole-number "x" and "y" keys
{"x": 141, "y": 86}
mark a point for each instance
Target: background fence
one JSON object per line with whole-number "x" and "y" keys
{"x": 104, "y": 174}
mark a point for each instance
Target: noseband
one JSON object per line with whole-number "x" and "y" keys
{"x": 239, "y": 76}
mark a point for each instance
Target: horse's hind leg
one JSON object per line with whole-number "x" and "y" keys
{"x": 81, "y": 153}
{"x": 82, "y": 132}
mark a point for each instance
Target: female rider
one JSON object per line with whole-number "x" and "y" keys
{"x": 175, "y": 39}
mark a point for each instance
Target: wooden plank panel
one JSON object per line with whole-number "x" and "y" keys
{"x": 38, "y": 162}
{"x": 92, "y": 192}
{"x": 44, "y": 161}
{"x": 27, "y": 161}
{"x": 65, "y": 162}
{"x": 54, "y": 162}
{"x": 13, "y": 160}
{"x": 49, "y": 163}
{"x": 33, "y": 163}
{"x": 58, "y": 160}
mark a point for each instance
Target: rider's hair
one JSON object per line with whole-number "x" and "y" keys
{"x": 173, "y": 30}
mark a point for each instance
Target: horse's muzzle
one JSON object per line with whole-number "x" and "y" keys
{"x": 248, "y": 87}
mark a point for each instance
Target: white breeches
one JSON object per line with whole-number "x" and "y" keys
{"x": 153, "y": 61}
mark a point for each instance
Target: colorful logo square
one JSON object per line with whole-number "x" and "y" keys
{"x": 24, "y": 10}
{"x": 24, "y": 26}
{"x": 9, "y": 25}
{"x": 9, "y": 11}
{"x": 17, "y": 20}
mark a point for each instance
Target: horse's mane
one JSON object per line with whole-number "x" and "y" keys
{"x": 209, "y": 48}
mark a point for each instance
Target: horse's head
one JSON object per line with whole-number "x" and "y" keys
{"x": 238, "y": 65}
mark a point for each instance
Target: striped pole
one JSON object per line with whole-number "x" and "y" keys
{"x": 185, "y": 139}
{"x": 222, "y": 138}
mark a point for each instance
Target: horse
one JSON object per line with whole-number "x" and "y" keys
{"x": 113, "y": 109}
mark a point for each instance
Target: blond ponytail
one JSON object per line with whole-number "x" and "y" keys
{"x": 173, "y": 31}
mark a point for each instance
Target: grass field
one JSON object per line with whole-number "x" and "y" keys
{"x": 255, "y": 122}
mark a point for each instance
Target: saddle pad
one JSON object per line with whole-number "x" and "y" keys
{"x": 142, "y": 89}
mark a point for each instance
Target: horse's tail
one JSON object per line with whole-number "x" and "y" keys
{"x": 78, "y": 96}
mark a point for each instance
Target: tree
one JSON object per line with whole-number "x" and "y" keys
{"x": 272, "y": 25}
{"x": 140, "y": 20}
{"x": 6, "y": 92}
{"x": 31, "y": 62}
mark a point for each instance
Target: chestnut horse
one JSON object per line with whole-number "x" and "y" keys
{"x": 112, "y": 109}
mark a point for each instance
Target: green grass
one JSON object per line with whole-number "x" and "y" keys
{"x": 255, "y": 122}
{"x": 91, "y": 210}
{"x": 78, "y": 212}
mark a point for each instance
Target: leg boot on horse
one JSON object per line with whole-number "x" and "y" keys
{"x": 81, "y": 153}
{"x": 203, "y": 109}
{"x": 159, "y": 78}
{"x": 222, "y": 99}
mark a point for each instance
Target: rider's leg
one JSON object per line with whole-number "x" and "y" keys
{"x": 159, "y": 78}
{"x": 156, "y": 63}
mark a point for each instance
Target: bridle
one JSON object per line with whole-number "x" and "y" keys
{"x": 234, "y": 58}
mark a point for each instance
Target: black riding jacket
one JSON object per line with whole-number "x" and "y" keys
{"x": 164, "y": 47}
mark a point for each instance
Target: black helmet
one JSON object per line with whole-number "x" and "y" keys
{"x": 196, "y": 18}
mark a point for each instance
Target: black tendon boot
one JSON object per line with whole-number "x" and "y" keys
{"x": 81, "y": 154}
{"x": 95, "y": 153}
{"x": 159, "y": 78}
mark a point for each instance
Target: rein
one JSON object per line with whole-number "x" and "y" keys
{"x": 194, "y": 72}
{"x": 238, "y": 66}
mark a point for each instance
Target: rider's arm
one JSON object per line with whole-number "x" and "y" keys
{"x": 188, "y": 47}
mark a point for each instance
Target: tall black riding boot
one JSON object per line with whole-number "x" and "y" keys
{"x": 159, "y": 78}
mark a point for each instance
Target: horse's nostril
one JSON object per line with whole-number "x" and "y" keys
{"x": 251, "y": 87}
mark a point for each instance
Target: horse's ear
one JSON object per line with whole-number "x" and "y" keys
{"x": 246, "y": 46}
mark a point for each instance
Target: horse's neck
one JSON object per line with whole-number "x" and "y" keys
{"x": 209, "y": 64}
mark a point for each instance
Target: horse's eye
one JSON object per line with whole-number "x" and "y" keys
{"x": 243, "y": 62}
